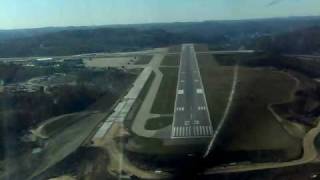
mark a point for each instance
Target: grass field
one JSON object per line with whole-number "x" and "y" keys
{"x": 164, "y": 102}
{"x": 156, "y": 146}
{"x": 201, "y": 47}
{"x": 158, "y": 123}
{"x": 250, "y": 127}
{"x": 77, "y": 163}
{"x": 175, "y": 49}
{"x": 58, "y": 125}
{"x": 250, "y": 60}
{"x": 206, "y": 60}
{"x": 171, "y": 60}
{"x": 217, "y": 82}
{"x": 143, "y": 60}
{"x": 141, "y": 144}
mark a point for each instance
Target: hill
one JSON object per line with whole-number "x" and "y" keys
{"x": 256, "y": 33}
{"x": 301, "y": 41}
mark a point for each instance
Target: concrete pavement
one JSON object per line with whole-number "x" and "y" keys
{"x": 144, "y": 112}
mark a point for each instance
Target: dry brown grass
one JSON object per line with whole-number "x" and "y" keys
{"x": 250, "y": 125}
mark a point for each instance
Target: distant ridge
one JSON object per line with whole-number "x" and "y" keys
{"x": 53, "y": 41}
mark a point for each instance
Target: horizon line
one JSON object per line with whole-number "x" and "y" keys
{"x": 160, "y": 22}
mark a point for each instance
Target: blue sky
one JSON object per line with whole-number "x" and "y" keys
{"x": 43, "y": 13}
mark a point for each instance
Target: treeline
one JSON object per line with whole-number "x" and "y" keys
{"x": 219, "y": 34}
{"x": 20, "y": 111}
{"x": 31, "y": 108}
{"x": 11, "y": 73}
{"x": 86, "y": 41}
{"x": 71, "y": 42}
{"x": 302, "y": 41}
{"x": 310, "y": 68}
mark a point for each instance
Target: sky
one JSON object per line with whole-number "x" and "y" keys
{"x": 16, "y": 14}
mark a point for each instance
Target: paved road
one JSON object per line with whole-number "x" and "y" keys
{"x": 191, "y": 117}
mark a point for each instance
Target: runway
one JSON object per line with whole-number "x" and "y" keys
{"x": 191, "y": 116}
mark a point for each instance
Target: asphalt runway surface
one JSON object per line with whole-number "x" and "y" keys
{"x": 191, "y": 116}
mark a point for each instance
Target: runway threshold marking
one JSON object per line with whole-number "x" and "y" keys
{"x": 181, "y": 91}
{"x": 199, "y": 91}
